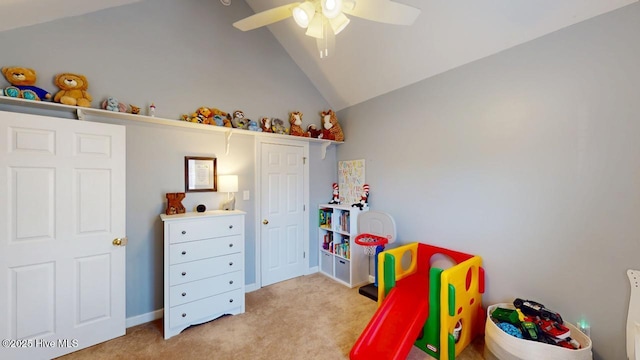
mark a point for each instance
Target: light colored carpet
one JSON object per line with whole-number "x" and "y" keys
{"x": 310, "y": 317}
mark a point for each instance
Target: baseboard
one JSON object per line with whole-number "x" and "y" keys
{"x": 251, "y": 287}
{"x": 144, "y": 318}
{"x": 313, "y": 270}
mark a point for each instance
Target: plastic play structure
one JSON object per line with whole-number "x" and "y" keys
{"x": 438, "y": 310}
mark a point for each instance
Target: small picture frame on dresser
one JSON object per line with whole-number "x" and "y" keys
{"x": 200, "y": 174}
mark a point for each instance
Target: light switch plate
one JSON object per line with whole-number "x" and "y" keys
{"x": 245, "y": 195}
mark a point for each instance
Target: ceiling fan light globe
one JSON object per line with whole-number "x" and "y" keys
{"x": 315, "y": 28}
{"x": 300, "y": 17}
{"x": 331, "y": 8}
{"x": 303, "y": 14}
{"x": 339, "y": 23}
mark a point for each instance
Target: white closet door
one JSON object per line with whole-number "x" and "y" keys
{"x": 62, "y": 203}
{"x": 282, "y": 201}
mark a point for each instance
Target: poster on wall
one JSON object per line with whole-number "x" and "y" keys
{"x": 350, "y": 180}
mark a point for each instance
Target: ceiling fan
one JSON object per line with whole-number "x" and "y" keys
{"x": 324, "y": 19}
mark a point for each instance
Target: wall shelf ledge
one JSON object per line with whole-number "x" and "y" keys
{"x": 80, "y": 113}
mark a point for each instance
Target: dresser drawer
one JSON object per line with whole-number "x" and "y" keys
{"x": 206, "y": 228}
{"x": 202, "y": 249}
{"x": 196, "y": 290}
{"x": 196, "y": 270}
{"x": 191, "y": 312}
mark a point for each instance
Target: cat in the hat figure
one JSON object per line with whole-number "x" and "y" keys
{"x": 364, "y": 199}
{"x": 336, "y": 195}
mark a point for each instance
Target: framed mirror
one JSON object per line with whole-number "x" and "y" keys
{"x": 200, "y": 174}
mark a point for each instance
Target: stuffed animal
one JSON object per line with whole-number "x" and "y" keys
{"x": 239, "y": 121}
{"x": 22, "y": 82}
{"x": 364, "y": 198}
{"x": 253, "y": 126}
{"x": 174, "y": 204}
{"x": 336, "y": 195}
{"x": 331, "y": 130}
{"x": 221, "y": 118}
{"x": 277, "y": 126}
{"x": 265, "y": 124}
{"x": 313, "y": 131}
{"x": 202, "y": 116}
{"x": 295, "y": 119}
{"x": 73, "y": 90}
{"x": 112, "y": 104}
{"x": 134, "y": 109}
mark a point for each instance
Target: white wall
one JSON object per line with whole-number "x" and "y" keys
{"x": 180, "y": 55}
{"x": 530, "y": 159}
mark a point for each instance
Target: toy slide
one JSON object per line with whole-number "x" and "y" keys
{"x": 397, "y": 323}
{"x": 436, "y": 308}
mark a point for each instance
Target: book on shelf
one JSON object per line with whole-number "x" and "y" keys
{"x": 327, "y": 242}
{"x": 342, "y": 249}
{"x": 324, "y": 218}
{"x": 344, "y": 221}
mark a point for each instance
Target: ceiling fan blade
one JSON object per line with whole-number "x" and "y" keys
{"x": 266, "y": 17}
{"x": 384, "y": 11}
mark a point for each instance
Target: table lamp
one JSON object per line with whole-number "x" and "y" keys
{"x": 228, "y": 184}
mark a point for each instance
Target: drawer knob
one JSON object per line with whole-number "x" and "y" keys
{"x": 184, "y": 294}
{"x": 184, "y": 232}
{"x": 184, "y": 253}
{"x": 184, "y": 273}
{"x": 230, "y": 300}
{"x": 230, "y": 245}
{"x": 184, "y": 315}
{"x": 230, "y": 263}
{"x": 230, "y": 226}
{"x": 231, "y": 282}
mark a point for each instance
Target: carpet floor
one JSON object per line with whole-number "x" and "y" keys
{"x": 309, "y": 317}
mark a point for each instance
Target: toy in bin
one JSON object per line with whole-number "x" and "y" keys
{"x": 536, "y": 323}
{"x": 532, "y": 308}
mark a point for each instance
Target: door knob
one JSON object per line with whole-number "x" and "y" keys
{"x": 265, "y": 221}
{"x": 119, "y": 241}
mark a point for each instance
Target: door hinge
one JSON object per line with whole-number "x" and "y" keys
{"x": 304, "y": 160}
{"x": 304, "y": 207}
{"x": 304, "y": 254}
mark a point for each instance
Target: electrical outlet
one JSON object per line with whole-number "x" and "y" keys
{"x": 245, "y": 195}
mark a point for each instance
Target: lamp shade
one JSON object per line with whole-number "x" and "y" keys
{"x": 338, "y": 23}
{"x": 228, "y": 183}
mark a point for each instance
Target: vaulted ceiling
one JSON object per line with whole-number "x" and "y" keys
{"x": 370, "y": 58}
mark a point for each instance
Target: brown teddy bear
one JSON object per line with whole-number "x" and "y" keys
{"x": 73, "y": 90}
{"x": 295, "y": 119}
{"x": 265, "y": 124}
{"x": 174, "y": 204}
{"x": 22, "y": 82}
{"x": 313, "y": 131}
{"x": 331, "y": 130}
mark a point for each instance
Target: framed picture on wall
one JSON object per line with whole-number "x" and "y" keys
{"x": 200, "y": 174}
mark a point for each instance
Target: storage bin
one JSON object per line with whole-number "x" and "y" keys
{"x": 342, "y": 269}
{"x": 326, "y": 263}
{"x": 502, "y": 346}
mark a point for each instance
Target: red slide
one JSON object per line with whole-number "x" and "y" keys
{"x": 397, "y": 323}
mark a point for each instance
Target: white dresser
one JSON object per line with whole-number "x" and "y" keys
{"x": 203, "y": 268}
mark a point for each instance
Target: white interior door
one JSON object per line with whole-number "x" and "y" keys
{"x": 62, "y": 203}
{"x": 282, "y": 212}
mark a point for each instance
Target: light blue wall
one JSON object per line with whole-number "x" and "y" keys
{"x": 180, "y": 55}
{"x": 530, "y": 159}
